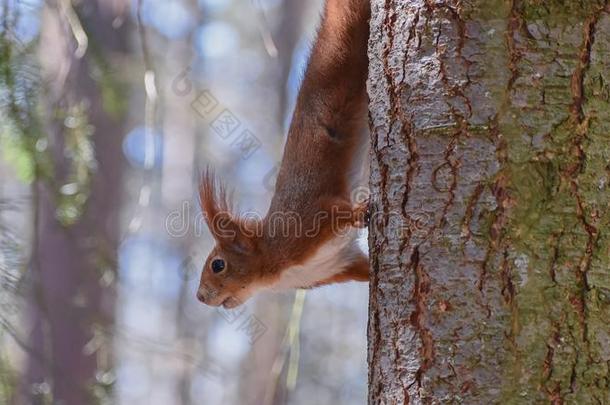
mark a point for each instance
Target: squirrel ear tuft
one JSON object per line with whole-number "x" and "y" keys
{"x": 213, "y": 201}
{"x": 232, "y": 233}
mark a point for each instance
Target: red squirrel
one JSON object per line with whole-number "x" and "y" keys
{"x": 323, "y": 157}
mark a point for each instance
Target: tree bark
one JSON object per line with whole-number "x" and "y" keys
{"x": 490, "y": 242}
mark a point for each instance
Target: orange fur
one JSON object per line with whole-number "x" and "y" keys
{"x": 328, "y": 127}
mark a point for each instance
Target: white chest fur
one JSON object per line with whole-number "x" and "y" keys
{"x": 331, "y": 258}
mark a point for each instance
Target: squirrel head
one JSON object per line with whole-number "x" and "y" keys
{"x": 235, "y": 268}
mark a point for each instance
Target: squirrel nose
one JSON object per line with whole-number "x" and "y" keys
{"x": 201, "y": 296}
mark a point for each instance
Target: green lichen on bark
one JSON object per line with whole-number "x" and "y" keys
{"x": 501, "y": 113}
{"x": 558, "y": 149}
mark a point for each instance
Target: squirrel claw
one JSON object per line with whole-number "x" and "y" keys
{"x": 361, "y": 214}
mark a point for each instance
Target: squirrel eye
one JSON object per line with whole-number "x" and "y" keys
{"x": 218, "y": 265}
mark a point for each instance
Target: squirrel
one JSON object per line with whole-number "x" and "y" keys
{"x": 322, "y": 164}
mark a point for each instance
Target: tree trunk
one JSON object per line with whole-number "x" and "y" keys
{"x": 74, "y": 255}
{"x": 490, "y": 242}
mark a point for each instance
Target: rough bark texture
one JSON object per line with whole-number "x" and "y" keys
{"x": 490, "y": 239}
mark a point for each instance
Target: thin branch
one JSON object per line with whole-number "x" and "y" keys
{"x": 294, "y": 339}
{"x": 265, "y": 32}
{"x": 82, "y": 41}
{"x": 290, "y": 343}
{"x": 150, "y": 114}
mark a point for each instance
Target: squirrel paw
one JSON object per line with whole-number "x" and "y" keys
{"x": 361, "y": 214}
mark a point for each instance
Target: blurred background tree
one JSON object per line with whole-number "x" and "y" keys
{"x": 76, "y": 223}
